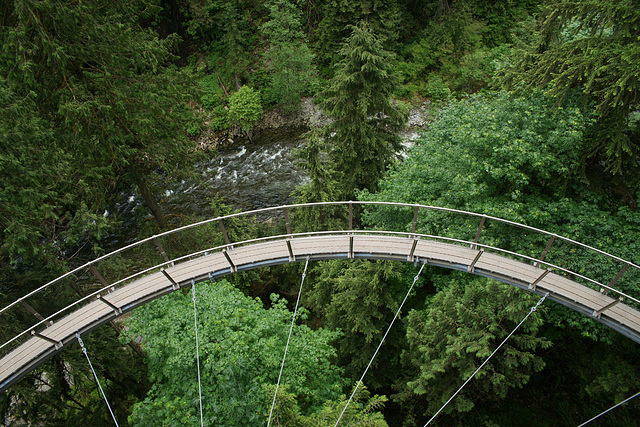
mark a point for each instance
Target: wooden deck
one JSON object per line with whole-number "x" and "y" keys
{"x": 37, "y": 348}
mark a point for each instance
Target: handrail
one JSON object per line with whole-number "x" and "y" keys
{"x": 285, "y": 208}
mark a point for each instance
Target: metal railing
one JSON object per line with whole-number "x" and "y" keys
{"x": 590, "y": 266}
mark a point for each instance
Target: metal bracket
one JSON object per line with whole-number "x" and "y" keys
{"x": 57, "y": 344}
{"x": 598, "y": 313}
{"x": 117, "y": 309}
{"x": 174, "y": 284}
{"x": 350, "y": 246}
{"x": 533, "y": 286}
{"x": 473, "y": 263}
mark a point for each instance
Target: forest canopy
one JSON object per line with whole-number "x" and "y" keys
{"x": 531, "y": 116}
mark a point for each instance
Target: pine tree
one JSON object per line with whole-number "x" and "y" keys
{"x": 362, "y": 140}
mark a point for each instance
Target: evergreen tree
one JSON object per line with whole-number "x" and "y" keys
{"x": 288, "y": 59}
{"x": 592, "y": 47}
{"x": 362, "y": 140}
{"x": 338, "y": 16}
{"x": 104, "y": 90}
{"x": 459, "y": 329}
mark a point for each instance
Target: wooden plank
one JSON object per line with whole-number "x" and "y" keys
{"x": 381, "y": 245}
{"x": 377, "y": 246}
{"x": 449, "y": 253}
{"x": 259, "y": 252}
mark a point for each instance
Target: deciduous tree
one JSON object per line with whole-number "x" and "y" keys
{"x": 241, "y": 348}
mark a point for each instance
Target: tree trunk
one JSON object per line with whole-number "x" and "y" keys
{"x": 151, "y": 203}
{"x": 226, "y": 93}
{"x": 235, "y": 73}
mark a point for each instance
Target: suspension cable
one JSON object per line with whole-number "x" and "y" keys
{"x": 415, "y": 279}
{"x": 534, "y": 308}
{"x": 104, "y": 396}
{"x": 610, "y": 409}
{"x": 195, "y": 322}
{"x": 293, "y": 320}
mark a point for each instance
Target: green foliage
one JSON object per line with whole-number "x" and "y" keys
{"x": 361, "y": 142}
{"x": 436, "y": 89}
{"x": 63, "y": 391}
{"x": 213, "y": 101}
{"x": 241, "y": 348}
{"x": 491, "y": 153}
{"x": 94, "y": 84}
{"x": 460, "y": 41}
{"x": 591, "y": 46}
{"x": 338, "y": 16}
{"x": 288, "y": 58}
{"x": 360, "y": 298}
{"x": 461, "y": 326}
{"x": 362, "y": 410}
{"x": 245, "y": 108}
{"x": 228, "y": 31}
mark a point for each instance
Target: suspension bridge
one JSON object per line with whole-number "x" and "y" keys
{"x": 583, "y": 278}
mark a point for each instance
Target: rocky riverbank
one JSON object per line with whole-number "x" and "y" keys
{"x": 275, "y": 124}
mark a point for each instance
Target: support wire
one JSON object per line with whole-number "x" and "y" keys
{"x": 415, "y": 279}
{"x": 534, "y": 308}
{"x": 195, "y": 322}
{"x": 104, "y": 396}
{"x": 293, "y": 321}
{"x": 610, "y": 409}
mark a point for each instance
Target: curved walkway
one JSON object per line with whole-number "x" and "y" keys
{"x": 48, "y": 337}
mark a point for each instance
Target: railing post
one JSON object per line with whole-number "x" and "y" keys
{"x": 546, "y": 249}
{"x": 161, "y": 249}
{"x": 484, "y": 218}
{"x": 33, "y": 311}
{"x": 97, "y": 274}
{"x": 224, "y": 231}
{"x": 615, "y": 279}
{"x": 286, "y": 220}
{"x": 350, "y": 215}
{"x": 415, "y": 221}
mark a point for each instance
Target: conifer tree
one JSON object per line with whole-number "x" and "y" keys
{"x": 288, "y": 59}
{"x": 592, "y": 47}
{"x": 362, "y": 140}
{"x": 338, "y": 17}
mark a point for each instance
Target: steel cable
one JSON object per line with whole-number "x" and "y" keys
{"x": 415, "y": 279}
{"x": 534, "y": 308}
{"x": 104, "y": 396}
{"x": 293, "y": 320}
